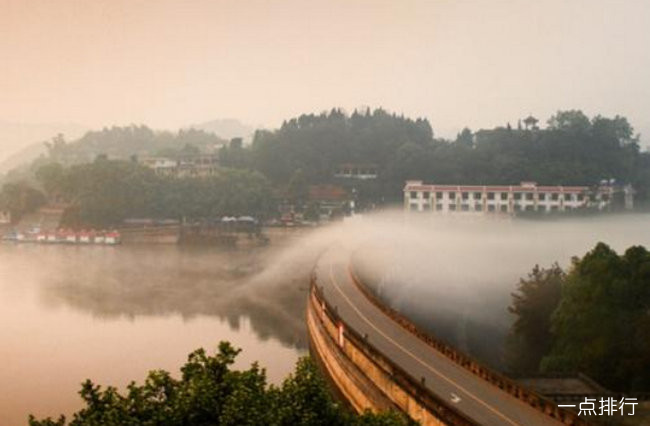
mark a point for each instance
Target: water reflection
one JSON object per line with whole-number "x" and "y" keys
{"x": 163, "y": 281}
{"x": 114, "y": 313}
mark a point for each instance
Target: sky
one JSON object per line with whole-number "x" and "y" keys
{"x": 170, "y": 63}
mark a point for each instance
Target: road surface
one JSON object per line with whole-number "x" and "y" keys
{"x": 474, "y": 397}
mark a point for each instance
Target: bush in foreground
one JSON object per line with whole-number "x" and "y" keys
{"x": 209, "y": 392}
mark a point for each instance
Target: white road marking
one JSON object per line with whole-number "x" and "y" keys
{"x": 415, "y": 357}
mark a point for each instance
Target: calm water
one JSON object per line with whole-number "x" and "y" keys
{"x": 114, "y": 313}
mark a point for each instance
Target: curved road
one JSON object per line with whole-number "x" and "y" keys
{"x": 477, "y": 399}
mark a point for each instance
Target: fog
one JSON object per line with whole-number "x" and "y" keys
{"x": 454, "y": 276}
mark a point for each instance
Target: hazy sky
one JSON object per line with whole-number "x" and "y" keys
{"x": 172, "y": 63}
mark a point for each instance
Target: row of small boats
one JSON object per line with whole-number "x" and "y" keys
{"x": 63, "y": 236}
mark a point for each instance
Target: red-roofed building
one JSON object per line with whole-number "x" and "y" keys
{"x": 330, "y": 198}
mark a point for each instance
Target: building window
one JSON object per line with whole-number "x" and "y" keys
{"x": 541, "y": 197}
{"x": 568, "y": 197}
{"x": 439, "y": 195}
{"x": 414, "y": 207}
{"x": 425, "y": 195}
{"x": 465, "y": 195}
{"x": 504, "y": 208}
{"x": 465, "y": 207}
{"x": 452, "y": 207}
{"x": 529, "y": 195}
{"x": 452, "y": 195}
{"x": 490, "y": 195}
{"x": 477, "y": 195}
{"x": 554, "y": 197}
{"x": 517, "y": 207}
{"x": 554, "y": 208}
{"x": 517, "y": 195}
{"x": 530, "y": 208}
{"x": 490, "y": 207}
{"x": 580, "y": 197}
{"x": 438, "y": 207}
{"x": 414, "y": 194}
{"x": 504, "y": 195}
{"x": 478, "y": 207}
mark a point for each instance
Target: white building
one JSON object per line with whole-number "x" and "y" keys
{"x": 197, "y": 165}
{"x": 508, "y": 199}
{"x": 161, "y": 165}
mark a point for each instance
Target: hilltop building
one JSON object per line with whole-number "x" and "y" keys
{"x": 195, "y": 165}
{"x": 361, "y": 171}
{"x": 513, "y": 199}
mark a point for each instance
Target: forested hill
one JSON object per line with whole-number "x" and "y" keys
{"x": 319, "y": 143}
{"x": 571, "y": 149}
{"x": 128, "y": 141}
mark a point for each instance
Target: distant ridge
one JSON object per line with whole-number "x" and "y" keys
{"x": 227, "y": 128}
{"x": 23, "y": 142}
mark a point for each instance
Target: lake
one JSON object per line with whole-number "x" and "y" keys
{"x": 111, "y": 314}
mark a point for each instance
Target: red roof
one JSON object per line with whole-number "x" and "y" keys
{"x": 327, "y": 193}
{"x": 494, "y": 188}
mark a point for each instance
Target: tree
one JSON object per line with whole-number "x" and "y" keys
{"x": 235, "y": 155}
{"x": 536, "y": 298}
{"x": 210, "y": 393}
{"x": 298, "y": 189}
{"x": 574, "y": 121}
{"x": 56, "y": 148}
{"x": 19, "y": 198}
{"x": 601, "y": 326}
{"x": 51, "y": 177}
{"x": 465, "y": 138}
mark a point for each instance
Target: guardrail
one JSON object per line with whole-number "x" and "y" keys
{"x": 498, "y": 380}
{"x": 410, "y": 385}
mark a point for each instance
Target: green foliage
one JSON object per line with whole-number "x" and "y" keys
{"x": 317, "y": 144}
{"x": 573, "y": 150}
{"x": 536, "y": 298}
{"x": 602, "y": 324}
{"x": 20, "y": 198}
{"x": 599, "y": 324}
{"x": 125, "y": 142}
{"x": 106, "y": 192}
{"x": 210, "y": 393}
{"x": 235, "y": 155}
{"x": 298, "y": 188}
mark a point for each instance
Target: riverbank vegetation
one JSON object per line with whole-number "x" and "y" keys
{"x": 105, "y": 192}
{"x": 572, "y": 149}
{"x": 592, "y": 318}
{"x": 210, "y": 392}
